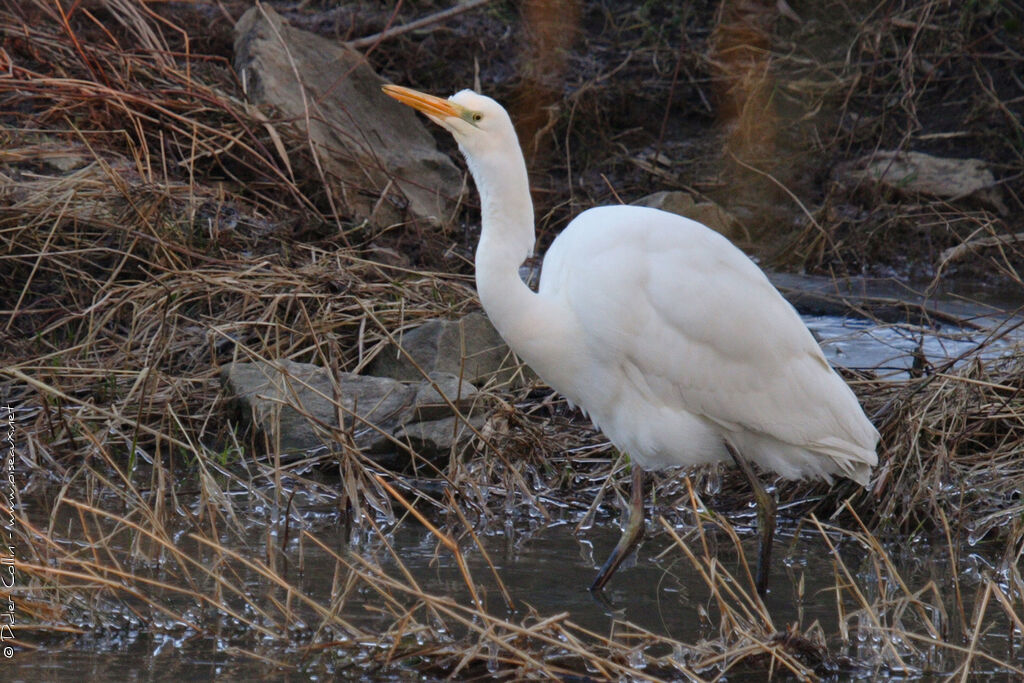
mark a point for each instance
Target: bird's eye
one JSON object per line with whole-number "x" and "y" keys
{"x": 477, "y": 117}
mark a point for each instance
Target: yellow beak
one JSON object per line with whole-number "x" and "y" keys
{"x": 428, "y": 104}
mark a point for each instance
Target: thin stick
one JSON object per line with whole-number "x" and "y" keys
{"x": 434, "y": 18}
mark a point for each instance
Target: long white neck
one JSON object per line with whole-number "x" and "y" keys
{"x": 506, "y": 240}
{"x": 539, "y": 328}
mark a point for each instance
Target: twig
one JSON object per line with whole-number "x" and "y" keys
{"x": 417, "y": 24}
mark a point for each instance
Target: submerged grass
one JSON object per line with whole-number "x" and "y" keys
{"x": 153, "y": 230}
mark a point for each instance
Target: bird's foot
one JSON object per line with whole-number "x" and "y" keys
{"x": 631, "y": 535}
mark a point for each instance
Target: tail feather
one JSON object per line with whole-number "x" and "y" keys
{"x": 823, "y": 460}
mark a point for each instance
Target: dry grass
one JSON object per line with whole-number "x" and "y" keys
{"x": 152, "y": 231}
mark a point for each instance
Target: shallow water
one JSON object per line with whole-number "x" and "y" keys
{"x": 546, "y": 568}
{"x": 989, "y": 328}
{"x": 890, "y": 350}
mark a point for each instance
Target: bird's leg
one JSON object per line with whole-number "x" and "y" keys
{"x": 766, "y": 507}
{"x": 631, "y": 535}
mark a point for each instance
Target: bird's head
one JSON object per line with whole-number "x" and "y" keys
{"x": 478, "y": 123}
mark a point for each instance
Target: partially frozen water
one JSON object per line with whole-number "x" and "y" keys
{"x": 891, "y": 346}
{"x": 890, "y": 350}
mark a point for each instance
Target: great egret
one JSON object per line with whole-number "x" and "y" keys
{"x": 668, "y": 336}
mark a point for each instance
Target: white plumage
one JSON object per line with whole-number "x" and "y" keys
{"x": 672, "y": 340}
{"x": 680, "y": 342}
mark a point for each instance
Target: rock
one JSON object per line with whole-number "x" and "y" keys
{"x": 435, "y": 429}
{"x": 334, "y": 98}
{"x": 437, "y": 436}
{"x": 292, "y": 405}
{"x": 707, "y": 212}
{"x": 964, "y": 248}
{"x": 432, "y": 398}
{"x": 437, "y": 346}
{"x": 918, "y": 173}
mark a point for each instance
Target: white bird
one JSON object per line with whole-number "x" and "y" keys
{"x": 668, "y": 336}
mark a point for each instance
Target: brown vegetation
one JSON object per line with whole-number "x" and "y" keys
{"x": 152, "y": 230}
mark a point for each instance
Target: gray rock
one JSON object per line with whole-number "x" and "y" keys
{"x": 703, "y": 211}
{"x": 437, "y": 436}
{"x": 918, "y": 173}
{"x": 295, "y": 406}
{"x": 333, "y": 96}
{"x": 433, "y": 398}
{"x": 469, "y": 347}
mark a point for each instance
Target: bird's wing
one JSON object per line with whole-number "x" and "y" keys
{"x": 704, "y": 330}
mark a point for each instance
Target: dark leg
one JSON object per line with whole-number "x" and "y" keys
{"x": 631, "y": 535}
{"x": 766, "y": 507}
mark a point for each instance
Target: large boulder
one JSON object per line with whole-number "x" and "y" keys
{"x": 365, "y": 142}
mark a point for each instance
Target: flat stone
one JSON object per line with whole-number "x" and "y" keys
{"x": 295, "y": 407}
{"x": 919, "y": 173}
